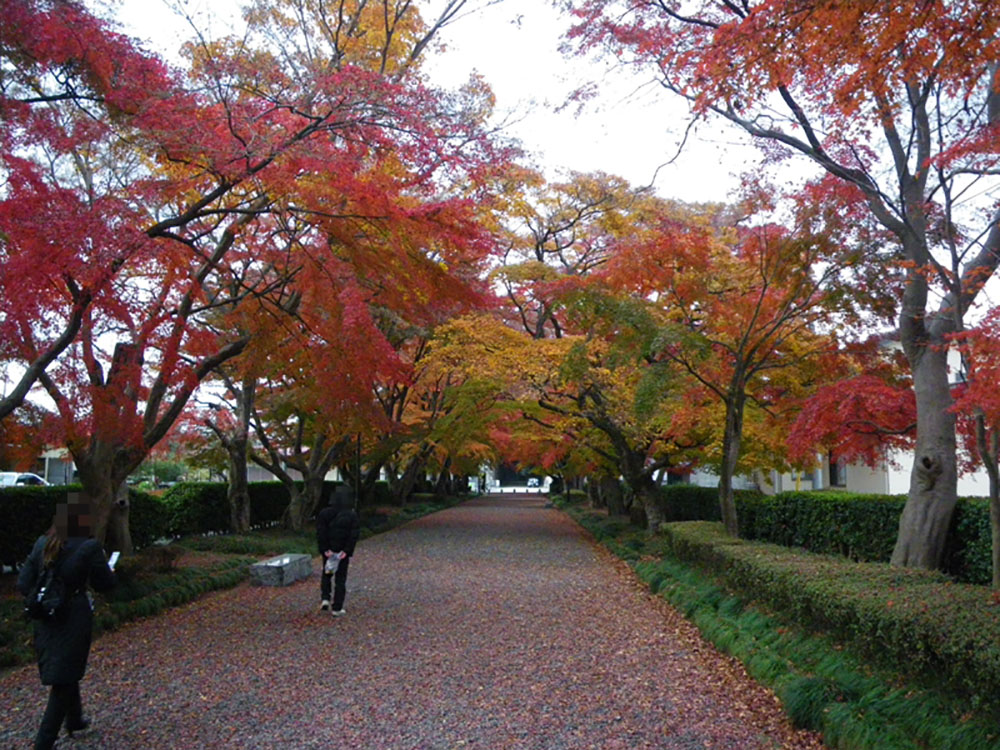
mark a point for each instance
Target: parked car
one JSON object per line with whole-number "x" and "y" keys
{"x": 21, "y": 479}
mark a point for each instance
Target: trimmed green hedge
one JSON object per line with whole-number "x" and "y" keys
{"x": 860, "y": 527}
{"x": 688, "y": 502}
{"x": 786, "y": 623}
{"x": 203, "y": 507}
{"x": 186, "y": 508}
{"x": 27, "y": 513}
{"x": 969, "y": 550}
{"x": 919, "y": 621}
{"x": 863, "y": 527}
{"x": 147, "y": 518}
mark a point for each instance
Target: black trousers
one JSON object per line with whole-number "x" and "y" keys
{"x": 64, "y": 706}
{"x": 338, "y": 582}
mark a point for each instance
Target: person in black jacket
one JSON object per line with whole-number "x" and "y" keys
{"x": 62, "y": 645}
{"x": 337, "y": 531}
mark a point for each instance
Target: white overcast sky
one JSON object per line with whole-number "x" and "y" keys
{"x": 631, "y": 129}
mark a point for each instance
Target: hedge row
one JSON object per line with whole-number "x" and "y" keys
{"x": 863, "y": 527}
{"x": 937, "y": 630}
{"x": 186, "y": 508}
{"x": 203, "y": 507}
{"x": 824, "y": 686}
{"x": 860, "y": 527}
{"x": 28, "y": 513}
{"x": 688, "y": 502}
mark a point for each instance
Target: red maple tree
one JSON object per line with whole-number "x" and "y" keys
{"x": 145, "y": 213}
{"x": 896, "y": 102}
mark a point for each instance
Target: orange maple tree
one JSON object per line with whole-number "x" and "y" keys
{"x": 740, "y": 309}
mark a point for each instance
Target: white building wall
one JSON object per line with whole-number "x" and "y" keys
{"x": 705, "y": 478}
{"x": 865, "y": 480}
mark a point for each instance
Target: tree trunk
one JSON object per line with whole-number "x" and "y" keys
{"x": 442, "y": 486}
{"x": 731, "y": 440}
{"x": 103, "y": 478}
{"x": 649, "y": 496}
{"x": 239, "y": 491}
{"x": 610, "y": 490}
{"x": 295, "y": 513}
{"x": 119, "y": 536}
{"x": 594, "y": 496}
{"x": 312, "y": 494}
{"x": 403, "y": 488}
{"x": 926, "y": 516}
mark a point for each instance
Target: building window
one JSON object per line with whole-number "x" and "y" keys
{"x": 838, "y": 471}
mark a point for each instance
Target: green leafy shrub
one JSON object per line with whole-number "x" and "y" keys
{"x": 203, "y": 507}
{"x": 863, "y": 527}
{"x": 27, "y": 513}
{"x": 197, "y": 508}
{"x": 264, "y": 543}
{"x": 148, "y": 518}
{"x": 840, "y": 692}
{"x": 381, "y": 494}
{"x": 268, "y": 502}
{"x": 968, "y": 551}
{"x": 941, "y": 631}
{"x": 686, "y": 502}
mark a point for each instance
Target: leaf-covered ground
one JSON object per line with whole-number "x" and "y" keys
{"x": 494, "y": 624}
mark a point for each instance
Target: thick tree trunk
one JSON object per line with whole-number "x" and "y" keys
{"x": 610, "y": 490}
{"x": 312, "y": 494}
{"x": 237, "y": 443}
{"x": 295, "y": 513}
{"x": 119, "y": 536}
{"x": 403, "y": 488}
{"x": 104, "y": 488}
{"x": 649, "y": 496}
{"x": 924, "y": 523}
{"x": 239, "y": 491}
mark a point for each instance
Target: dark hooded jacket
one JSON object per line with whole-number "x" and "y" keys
{"x": 338, "y": 526}
{"x": 63, "y": 645}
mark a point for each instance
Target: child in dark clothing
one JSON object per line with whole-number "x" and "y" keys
{"x": 337, "y": 531}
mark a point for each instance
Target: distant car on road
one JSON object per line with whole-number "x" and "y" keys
{"x": 534, "y": 482}
{"x": 21, "y": 479}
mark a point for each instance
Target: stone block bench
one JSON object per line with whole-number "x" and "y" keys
{"x": 281, "y": 570}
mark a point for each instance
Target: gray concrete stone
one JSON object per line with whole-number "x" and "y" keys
{"x": 281, "y": 570}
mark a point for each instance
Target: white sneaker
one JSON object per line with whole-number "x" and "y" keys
{"x": 324, "y": 605}
{"x": 339, "y": 612}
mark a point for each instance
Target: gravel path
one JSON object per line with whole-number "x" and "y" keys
{"x": 494, "y": 624}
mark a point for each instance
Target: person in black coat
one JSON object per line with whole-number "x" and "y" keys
{"x": 62, "y": 645}
{"x": 337, "y": 532}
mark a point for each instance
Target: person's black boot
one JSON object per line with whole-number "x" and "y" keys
{"x": 82, "y": 726}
